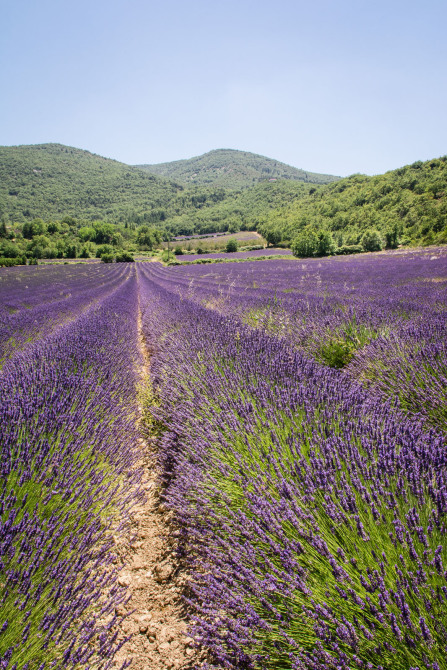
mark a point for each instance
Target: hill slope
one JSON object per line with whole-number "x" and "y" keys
{"x": 52, "y": 180}
{"x": 247, "y": 209}
{"x": 413, "y": 198}
{"x": 232, "y": 169}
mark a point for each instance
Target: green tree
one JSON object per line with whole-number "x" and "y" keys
{"x": 87, "y": 233}
{"x": 71, "y": 250}
{"x": 117, "y": 239}
{"x": 27, "y": 230}
{"x": 273, "y": 236}
{"x": 149, "y": 237}
{"x": 392, "y": 237}
{"x": 231, "y": 246}
{"x": 53, "y": 227}
{"x": 371, "y": 240}
{"x": 104, "y": 249}
{"x": 103, "y": 232}
{"x": 70, "y": 221}
{"x": 39, "y": 227}
{"x": 305, "y": 244}
{"x": 325, "y": 243}
{"x": 9, "y": 250}
{"x": 32, "y": 228}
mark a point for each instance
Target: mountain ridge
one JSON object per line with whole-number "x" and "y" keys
{"x": 232, "y": 168}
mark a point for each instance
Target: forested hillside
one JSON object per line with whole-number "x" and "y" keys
{"x": 52, "y": 181}
{"x": 247, "y": 209}
{"x": 233, "y": 169}
{"x": 411, "y": 200}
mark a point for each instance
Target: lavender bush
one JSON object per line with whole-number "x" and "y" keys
{"x": 313, "y": 511}
{"x": 300, "y": 409}
{"x": 68, "y": 473}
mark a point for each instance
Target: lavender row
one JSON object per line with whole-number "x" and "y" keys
{"x": 313, "y": 513}
{"x": 69, "y": 479}
{"x": 377, "y": 316}
{"x": 34, "y": 301}
{"x": 236, "y": 254}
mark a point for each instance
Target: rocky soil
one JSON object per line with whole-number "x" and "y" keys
{"x": 155, "y": 616}
{"x": 154, "y": 623}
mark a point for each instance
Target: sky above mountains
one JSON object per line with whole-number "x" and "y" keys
{"x": 332, "y": 87}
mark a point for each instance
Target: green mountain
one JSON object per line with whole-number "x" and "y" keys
{"x": 247, "y": 209}
{"x": 52, "y": 180}
{"x": 232, "y": 169}
{"x": 412, "y": 200}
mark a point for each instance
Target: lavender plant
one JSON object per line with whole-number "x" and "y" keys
{"x": 68, "y": 477}
{"x": 313, "y": 511}
{"x": 337, "y": 310}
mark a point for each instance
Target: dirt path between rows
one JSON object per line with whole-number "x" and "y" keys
{"x": 156, "y": 618}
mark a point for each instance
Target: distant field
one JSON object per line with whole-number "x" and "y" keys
{"x": 68, "y": 261}
{"x": 242, "y": 235}
{"x": 218, "y": 241}
{"x": 236, "y": 254}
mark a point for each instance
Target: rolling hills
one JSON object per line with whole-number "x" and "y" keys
{"x": 52, "y": 181}
{"x": 230, "y": 168}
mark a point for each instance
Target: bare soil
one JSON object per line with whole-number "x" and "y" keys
{"x": 155, "y": 617}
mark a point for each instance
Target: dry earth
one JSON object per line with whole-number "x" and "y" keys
{"x": 155, "y": 617}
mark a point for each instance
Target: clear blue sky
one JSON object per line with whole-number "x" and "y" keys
{"x": 336, "y": 86}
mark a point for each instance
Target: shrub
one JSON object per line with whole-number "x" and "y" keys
{"x": 231, "y": 246}
{"x": 107, "y": 258}
{"x": 104, "y": 249}
{"x": 371, "y": 241}
{"x": 125, "y": 257}
{"x": 349, "y": 249}
{"x": 178, "y": 251}
{"x": 7, "y": 262}
{"x": 252, "y": 247}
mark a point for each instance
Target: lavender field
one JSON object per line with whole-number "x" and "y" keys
{"x": 235, "y": 255}
{"x": 300, "y": 415}
{"x": 68, "y": 460}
